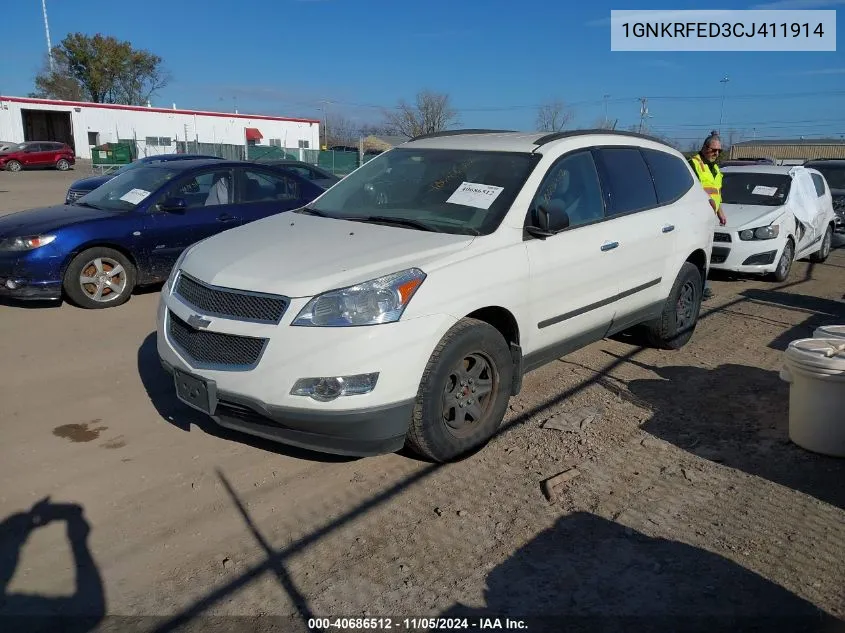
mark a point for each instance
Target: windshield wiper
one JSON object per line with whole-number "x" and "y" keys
{"x": 383, "y": 219}
{"x": 313, "y": 211}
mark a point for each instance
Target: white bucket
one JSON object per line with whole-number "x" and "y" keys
{"x": 830, "y": 331}
{"x": 815, "y": 371}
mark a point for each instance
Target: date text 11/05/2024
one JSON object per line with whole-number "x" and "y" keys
{"x": 414, "y": 624}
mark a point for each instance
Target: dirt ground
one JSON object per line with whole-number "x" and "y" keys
{"x": 689, "y": 507}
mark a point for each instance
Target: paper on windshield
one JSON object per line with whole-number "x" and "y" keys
{"x": 760, "y": 190}
{"x": 134, "y": 196}
{"x": 473, "y": 194}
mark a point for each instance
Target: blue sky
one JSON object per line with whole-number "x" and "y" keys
{"x": 497, "y": 60}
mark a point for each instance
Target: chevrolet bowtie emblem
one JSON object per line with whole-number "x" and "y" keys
{"x": 197, "y": 322}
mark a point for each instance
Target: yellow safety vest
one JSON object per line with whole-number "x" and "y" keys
{"x": 712, "y": 184}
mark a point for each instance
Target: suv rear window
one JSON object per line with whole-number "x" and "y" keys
{"x": 626, "y": 179}
{"x": 672, "y": 177}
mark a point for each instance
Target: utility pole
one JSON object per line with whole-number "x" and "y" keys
{"x": 605, "y": 97}
{"x": 325, "y": 105}
{"x": 724, "y": 81}
{"x": 643, "y": 112}
{"x": 47, "y": 32}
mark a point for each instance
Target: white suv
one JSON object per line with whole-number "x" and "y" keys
{"x": 405, "y": 303}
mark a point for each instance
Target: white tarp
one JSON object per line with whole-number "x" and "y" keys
{"x": 803, "y": 200}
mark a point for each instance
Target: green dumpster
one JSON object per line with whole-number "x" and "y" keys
{"x": 112, "y": 154}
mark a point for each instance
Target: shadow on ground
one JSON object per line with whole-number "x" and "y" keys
{"x": 819, "y": 312}
{"x": 161, "y": 392}
{"x": 738, "y": 416}
{"x": 589, "y": 574}
{"x": 77, "y": 613}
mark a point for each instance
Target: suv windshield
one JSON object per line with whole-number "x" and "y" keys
{"x": 835, "y": 175}
{"x": 448, "y": 191}
{"x": 125, "y": 191}
{"x": 760, "y": 188}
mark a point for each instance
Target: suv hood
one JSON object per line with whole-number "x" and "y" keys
{"x": 89, "y": 184}
{"x": 41, "y": 221}
{"x": 299, "y": 255}
{"x": 747, "y": 216}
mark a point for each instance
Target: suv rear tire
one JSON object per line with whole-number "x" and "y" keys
{"x": 675, "y": 326}
{"x": 464, "y": 392}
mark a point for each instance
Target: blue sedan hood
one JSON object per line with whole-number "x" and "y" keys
{"x": 89, "y": 184}
{"x": 41, "y": 221}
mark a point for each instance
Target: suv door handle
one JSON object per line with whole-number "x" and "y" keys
{"x": 668, "y": 228}
{"x": 225, "y": 217}
{"x": 609, "y": 246}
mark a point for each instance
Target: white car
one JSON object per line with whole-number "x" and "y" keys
{"x": 405, "y": 303}
{"x": 775, "y": 216}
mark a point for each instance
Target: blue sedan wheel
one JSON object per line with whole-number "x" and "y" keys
{"x": 99, "y": 278}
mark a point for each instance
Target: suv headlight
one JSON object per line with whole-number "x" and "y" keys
{"x": 381, "y": 300}
{"x": 762, "y": 233}
{"x": 25, "y": 242}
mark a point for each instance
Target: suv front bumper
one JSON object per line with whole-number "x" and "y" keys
{"x": 258, "y": 401}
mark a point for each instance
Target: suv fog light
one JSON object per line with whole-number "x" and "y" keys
{"x": 329, "y": 388}
{"x": 11, "y": 284}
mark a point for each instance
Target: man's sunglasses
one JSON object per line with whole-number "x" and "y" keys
{"x": 715, "y": 151}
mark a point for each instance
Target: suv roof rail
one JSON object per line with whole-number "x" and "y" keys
{"x": 459, "y": 132}
{"x": 554, "y": 136}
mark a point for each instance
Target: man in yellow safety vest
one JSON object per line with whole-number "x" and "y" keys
{"x": 708, "y": 173}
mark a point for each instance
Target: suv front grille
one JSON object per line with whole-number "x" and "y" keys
{"x": 75, "y": 194}
{"x": 213, "y": 350}
{"x": 721, "y": 237}
{"x": 229, "y": 303}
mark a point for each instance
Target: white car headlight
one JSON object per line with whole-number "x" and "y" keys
{"x": 762, "y": 233}
{"x": 25, "y": 242}
{"x": 381, "y": 300}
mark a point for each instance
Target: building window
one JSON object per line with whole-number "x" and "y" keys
{"x": 159, "y": 141}
{"x": 304, "y": 144}
{"x": 275, "y": 142}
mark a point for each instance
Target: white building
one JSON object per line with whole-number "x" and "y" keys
{"x": 153, "y": 130}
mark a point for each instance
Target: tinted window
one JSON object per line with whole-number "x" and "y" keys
{"x": 571, "y": 187}
{"x": 745, "y": 187}
{"x": 672, "y": 177}
{"x": 626, "y": 179}
{"x": 818, "y": 181}
{"x": 259, "y": 186}
{"x": 834, "y": 174}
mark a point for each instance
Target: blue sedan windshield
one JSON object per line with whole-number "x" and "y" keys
{"x": 127, "y": 190}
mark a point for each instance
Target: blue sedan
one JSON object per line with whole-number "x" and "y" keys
{"x": 130, "y": 231}
{"x": 80, "y": 187}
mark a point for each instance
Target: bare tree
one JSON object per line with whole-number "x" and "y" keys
{"x": 431, "y": 112}
{"x": 553, "y": 117}
{"x": 603, "y": 124}
{"x": 340, "y": 131}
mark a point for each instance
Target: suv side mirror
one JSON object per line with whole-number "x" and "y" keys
{"x": 174, "y": 205}
{"x": 544, "y": 224}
